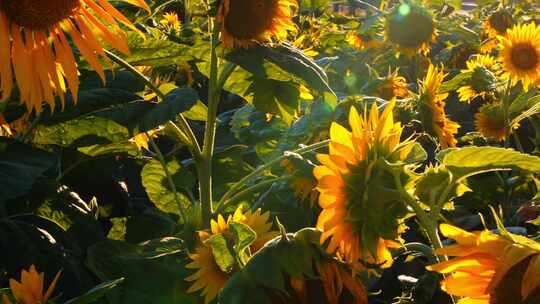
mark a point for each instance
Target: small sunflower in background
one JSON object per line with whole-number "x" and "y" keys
{"x": 209, "y": 278}
{"x": 489, "y": 121}
{"x": 363, "y": 41}
{"x": 391, "y": 86}
{"x": 520, "y": 55}
{"x": 36, "y": 40}
{"x": 360, "y": 218}
{"x": 487, "y": 268}
{"x": 483, "y": 78}
{"x": 495, "y": 25}
{"x": 498, "y": 23}
{"x": 244, "y": 22}
{"x": 302, "y": 181}
{"x": 411, "y": 28}
{"x": 30, "y": 289}
{"x": 431, "y": 107}
{"x": 170, "y": 21}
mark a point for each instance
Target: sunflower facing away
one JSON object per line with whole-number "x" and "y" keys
{"x": 490, "y": 269}
{"x": 482, "y": 80}
{"x": 245, "y": 21}
{"x": 209, "y": 278}
{"x": 431, "y": 108}
{"x": 520, "y": 55}
{"x": 361, "y": 215}
{"x": 35, "y": 47}
{"x": 30, "y": 289}
{"x": 411, "y": 28}
{"x": 498, "y": 23}
{"x": 489, "y": 121}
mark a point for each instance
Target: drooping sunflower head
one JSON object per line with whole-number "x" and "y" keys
{"x": 244, "y": 22}
{"x": 35, "y": 48}
{"x": 489, "y": 121}
{"x": 498, "y": 23}
{"x": 488, "y": 268}
{"x": 520, "y": 55}
{"x": 431, "y": 107}
{"x": 30, "y": 289}
{"x": 360, "y": 217}
{"x": 411, "y": 28}
{"x": 482, "y": 79}
{"x": 209, "y": 277}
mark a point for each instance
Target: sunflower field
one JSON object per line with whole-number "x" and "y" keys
{"x": 270, "y": 151}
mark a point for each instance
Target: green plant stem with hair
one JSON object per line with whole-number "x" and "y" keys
{"x": 204, "y": 162}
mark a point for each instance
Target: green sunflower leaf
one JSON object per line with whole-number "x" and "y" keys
{"x": 467, "y": 161}
{"x": 222, "y": 252}
{"x": 96, "y": 293}
{"x": 243, "y": 234}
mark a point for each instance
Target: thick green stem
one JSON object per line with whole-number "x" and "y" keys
{"x": 170, "y": 181}
{"x": 193, "y": 144}
{"x": 204, "y": 163}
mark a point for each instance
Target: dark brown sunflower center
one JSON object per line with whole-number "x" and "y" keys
{"x": 38, "y": 14}
{"x": 524, "y": 56}
{"x": 248, "y": 19}
{"x": 410, "y": 27}
{"x": 501, "y": 21}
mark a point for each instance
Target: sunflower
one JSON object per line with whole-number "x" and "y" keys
{"x": 411, "y": 28}
{"x": 35, "y": 45}
{"x": 362, "y": 41}
{"x": 431, "y": 108}
{"x": 482, "y": 80}
{"x": 354, "y": 189}
{"x": 302, "y": 181}
{"x": 488, "y": 268}
{"x": 489, "y": 121}
{"x": 208, "y": 276}
{"x": 498, "y": 23}
{"x": 392, "y": 86}
{"x": 170, "y": 21}
{"x": 30, "y": 289}
{"x": 334, "y": 278}
{"x": 245, "y": 21}
{"x": 520, "y": 55}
